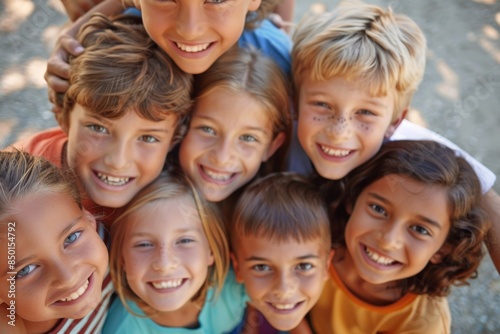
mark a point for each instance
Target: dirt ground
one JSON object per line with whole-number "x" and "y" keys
{"x": 459, "y": 97}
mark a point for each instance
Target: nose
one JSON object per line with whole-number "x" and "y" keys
{"x": 285, "y": 286}
{"x": 118, "y": 155}
{"x": 222, "y": 152}
{"x": 165, "y": 260}
{"x": 191, "y": 21}
{"x": 391, "y": 237}
{"x": 340, "y": 128}
{"x": 63, "y": 273}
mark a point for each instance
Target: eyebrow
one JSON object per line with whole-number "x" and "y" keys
{"x": 420, "y": 217}
{"x": 148, "y": 234}
{"x": 300, "y": 258}
{"x": 107, "y": 122}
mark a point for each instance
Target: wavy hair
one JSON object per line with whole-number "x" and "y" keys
{"x": 430, "y": 163}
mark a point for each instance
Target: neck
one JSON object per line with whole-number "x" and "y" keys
{"x": 185, "y": 317}
{"x": 375, "y": 294}
{"x": 40, "y": 327}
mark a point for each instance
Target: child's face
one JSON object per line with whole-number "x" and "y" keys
{"x": 60, "y": 259}
{"x": 341, "y": 125}
{"x": 115, "y": 158}
{"x": 230, "y": 135}
{"x": 283, "y": 280}
{"x": 396, "y": 227}
{"x": 195, "y": 33}
{"x": 166, "y": 253}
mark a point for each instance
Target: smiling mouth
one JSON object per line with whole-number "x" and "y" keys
{"x": 112, "y": 180}
{"x": 379, "y": 259}
{"x": 285, "y": 306}
{"x": 218, "y": 176}
{"x": 192, "y": 48}
{"x": 335, "y": 152}
{"x": 75, "y": 295}
{"x": 169, "y": 284}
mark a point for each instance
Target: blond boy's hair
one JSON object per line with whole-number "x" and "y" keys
{"x": 365, "y": 43}
{"x": 122, "y": 69}
{"x": 281, "y": 207}
{"x": 170, "y": 186}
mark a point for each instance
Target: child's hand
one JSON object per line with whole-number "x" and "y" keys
{"x": 57, "y": 73}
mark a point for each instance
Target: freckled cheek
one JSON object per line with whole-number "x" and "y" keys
{"x": 364, "y": 127}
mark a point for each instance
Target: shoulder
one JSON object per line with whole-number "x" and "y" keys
{"x": 271, "y": 41}
{"x": 48, "y": 144}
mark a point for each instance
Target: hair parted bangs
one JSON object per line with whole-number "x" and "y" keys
{"x": 170, "y": 186}
{"x": 382, "y": 51}
{"x": 121, "y": 70}
{"x": 281, "y": 207}
{"x": 249, "y": 72}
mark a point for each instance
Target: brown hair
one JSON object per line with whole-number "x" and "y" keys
{"x": 166, "y": 187}
{"x": 433, "y": 164}
{"x": 280, "y": 207}
{"x": 122, "y": 69}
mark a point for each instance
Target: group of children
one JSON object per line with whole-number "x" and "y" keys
{"x": 206, "y": 233}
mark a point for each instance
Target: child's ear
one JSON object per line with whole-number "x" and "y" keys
{"x": 253, "y": 5}
{"x": 438, "y": 257}
{"x": 395, "y": 124}
{"x": 275, "y": 144}
{"x": 236, "y": 268}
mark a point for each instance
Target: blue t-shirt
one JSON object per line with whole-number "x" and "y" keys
{"x": 272, "y": 42}
{"x": 218, "y": 316}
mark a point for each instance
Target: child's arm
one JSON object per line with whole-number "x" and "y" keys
{"x": 57, "y": 72}
{"x": 492, "y": 205}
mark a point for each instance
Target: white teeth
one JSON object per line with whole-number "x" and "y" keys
{"x": 335, "y": 153}
{"x": 76, "y": 294}
{"x": 379, "y": 258}
{"x": 284, "y": 306}
{"x": 113, "y": 181}
{"x": 193, "y": 48}
{"x": 218, "y": 176}
{"x": 167, "y": 284}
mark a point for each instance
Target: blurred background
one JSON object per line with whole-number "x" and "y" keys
{"x": 459, "y": 97}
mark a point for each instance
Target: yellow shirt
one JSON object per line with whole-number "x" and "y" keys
{"x": 338, "y": 311}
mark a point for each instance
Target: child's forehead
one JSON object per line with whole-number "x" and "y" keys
{"x": 265, "y": 244}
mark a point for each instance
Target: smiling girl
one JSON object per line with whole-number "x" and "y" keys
{"x": 408, "y": 228}
{"x": 58, "y": 262}
{"x": 169, "y": 260}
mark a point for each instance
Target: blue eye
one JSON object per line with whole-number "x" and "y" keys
{"x": 144, "y": 244}
{"x": 72, "y": 238}
{"x": 366, "y": 112}
{"x": 25, "y": 271}
{"x": 207, "y": 129}
{"x": 185, "y": 241}
{"x": 248, "y": 138}
{"x": 378, "y": 209}
{"x": 421, "y": 230}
